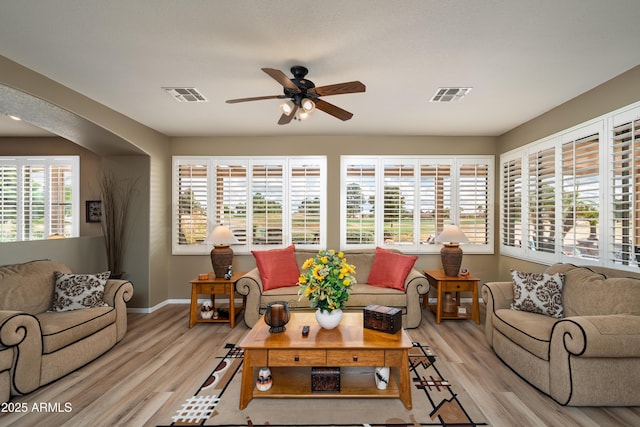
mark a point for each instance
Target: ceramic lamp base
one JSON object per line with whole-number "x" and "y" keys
{"x": 451, "y": 256}
{"x": 221, "y": 259}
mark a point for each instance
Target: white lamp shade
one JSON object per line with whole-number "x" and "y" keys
{"x": 452, "y": 234}
{"x": 221, "y": 235}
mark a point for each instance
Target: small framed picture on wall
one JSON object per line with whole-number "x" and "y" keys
{"x": 94, "y": 210}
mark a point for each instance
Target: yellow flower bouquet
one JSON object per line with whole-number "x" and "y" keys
{"x": 327, "y": 280}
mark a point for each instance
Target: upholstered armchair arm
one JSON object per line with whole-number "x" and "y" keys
{"x": 591, "y": 339}
{"x": 496, "y": 296}
{"x": 22, "y": 331}
{"x": 415, "y": 284}
{"x": 117, "y": 293}
{"x": 614, "y": 335}
{"x": 250, "y": 285}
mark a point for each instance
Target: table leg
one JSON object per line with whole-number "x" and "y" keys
{"x": 232, "y": 307}
{"x": 246, "y": 387}
{"x": 475, "y": 305}
{"x": 439, "y": 304}
{"x": 193, "y": 308}
{"x": 405, "y": 381}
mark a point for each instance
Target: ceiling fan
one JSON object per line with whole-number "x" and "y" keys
{"x": 303, "y": 96}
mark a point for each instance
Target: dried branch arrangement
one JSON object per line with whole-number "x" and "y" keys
{"x": 117, "y": 195}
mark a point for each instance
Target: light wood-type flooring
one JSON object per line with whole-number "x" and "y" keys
{"x": 145, "y": 377}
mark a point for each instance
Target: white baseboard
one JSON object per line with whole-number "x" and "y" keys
{"x": 462, "y": 300}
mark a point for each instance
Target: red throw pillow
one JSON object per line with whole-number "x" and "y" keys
{"x": 390, "y": 269}
{"x": 277, "y": 267}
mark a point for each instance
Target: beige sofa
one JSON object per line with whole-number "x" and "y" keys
{"x": 362, "y": 294}
{"x": 588, "y": 357}
{"x": 38, "y": 346}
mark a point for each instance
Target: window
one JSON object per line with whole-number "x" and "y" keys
{"x": 511, "y": 203}
{"x": 404, "y": 202}
{"x": 39, "y": 197}
{"x": 542, "y": 199}
{"x": 267, "y": 202}
{"x": 582, "y": 194}
{"x": 625, "y": 190}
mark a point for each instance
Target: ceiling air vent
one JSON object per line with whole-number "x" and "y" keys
{"x": 185, "y": 94}
{"x": 450, "y": 94}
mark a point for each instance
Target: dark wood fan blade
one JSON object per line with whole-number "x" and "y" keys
{"x": 341, "y": 88}
{"x": 333, "y": 110}
{"x": 255, "y": 98}
{"x": 284, "y": 119}
{"x": 281, "y": 78}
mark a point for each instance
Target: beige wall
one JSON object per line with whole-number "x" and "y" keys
{"x": 185, "y": 268}
{"x": 110, "y": 135}
{"x": 610, "y": 96}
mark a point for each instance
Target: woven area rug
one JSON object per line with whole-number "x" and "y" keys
{"x": 437, "y": 401}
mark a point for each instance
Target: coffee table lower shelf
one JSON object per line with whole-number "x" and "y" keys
{"x": 295, "y": 382}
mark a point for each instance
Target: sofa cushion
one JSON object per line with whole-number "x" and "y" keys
{"x": 390, "y": 269}
{"x": 278, "y": 267}
{"x": 28, "y": 287}
{"x": 78, "y": 291}
{"x": 530, "y": 331}
{"x": 60, "y": 329}
{"x": 537, "y": 293}
{"x": 588, "y": 293}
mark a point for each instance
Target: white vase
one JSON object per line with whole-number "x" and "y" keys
{"x": 264, "y": 380}
{"x": 328, "y": 319}
{"x": 382, "y": 377}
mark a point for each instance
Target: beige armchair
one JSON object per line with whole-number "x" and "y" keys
{"x": 591, "y": 356}
{"x": 44, "y": 345}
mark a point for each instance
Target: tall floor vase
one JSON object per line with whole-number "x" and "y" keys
{"x": 328, "y": 319}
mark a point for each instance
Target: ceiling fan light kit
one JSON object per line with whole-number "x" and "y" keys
{"x": 303, "y": 97}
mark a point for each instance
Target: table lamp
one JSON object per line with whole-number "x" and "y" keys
{"x": 451, "y": 254}
{"x": 221, "y": 254}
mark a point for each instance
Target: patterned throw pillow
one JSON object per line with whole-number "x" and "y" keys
{"x": 77, "y": 291}
{"x": 538, "y": 293}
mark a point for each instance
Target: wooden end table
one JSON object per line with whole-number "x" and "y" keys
{"x": 214, "y": 286}
{"x": 355, "y": 349}
{"x": 443, "y": 284}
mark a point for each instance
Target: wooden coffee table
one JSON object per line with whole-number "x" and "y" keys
{"x": 350, "y": 346}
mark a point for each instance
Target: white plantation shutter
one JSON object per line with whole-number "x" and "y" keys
{"x": 473, "y": 201}
{"x": 625, "y": 194}
{"x": 435, "y": 199}
{"x": 307, "y": 182}
{"x": 231, "y": 190}
{"x": 359, "y": 181}
{"x": 405, "y": 202}
{"x": 542, "y": 200}
{"x": 580, "y": 194}
{"x": 581, "y": 197}
{"x": 267, "y": 192}
{"x": 266, "y": 202}
{"x": 39, "y": 197}
{"x": 8, "y": 202}
{"x": 60, "y": 200}
{"x": 33, "y": 201}
{"x": 399, "y": 203}
{"x": 512, "y": 203}
{"x": 191, "y": 196}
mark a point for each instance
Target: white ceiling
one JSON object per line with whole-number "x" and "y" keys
{"x": 522, "y": 58}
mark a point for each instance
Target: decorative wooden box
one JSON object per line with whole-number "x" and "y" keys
{"x": 382, "y": 318}
{"x": 325, "y": 378}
